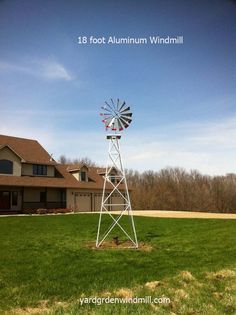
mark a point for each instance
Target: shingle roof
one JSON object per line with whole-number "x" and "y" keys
{"x": 75, "y": 167}
{"x": 29, "y": 150}
{"x": 67, "y": 181}
{"x": 29, "y": 181}
{"x": 32, "y": 152}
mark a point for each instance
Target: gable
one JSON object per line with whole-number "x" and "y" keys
{"x": 29, "y": 150}
{"x": 7, "y": 153}
{"x": 9, "y": 156}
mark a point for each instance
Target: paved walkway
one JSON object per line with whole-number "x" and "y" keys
{"x": 183, "y": 214}
{"x": 154, "y": 213}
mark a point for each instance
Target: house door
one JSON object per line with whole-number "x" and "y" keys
{"x": 5, "y": 201}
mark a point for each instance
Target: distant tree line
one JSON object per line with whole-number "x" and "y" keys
{"x": 63, "y": 159}
{"x": 177, "y": 189}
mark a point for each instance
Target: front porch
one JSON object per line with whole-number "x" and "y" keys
{"x": 19, "y": 199}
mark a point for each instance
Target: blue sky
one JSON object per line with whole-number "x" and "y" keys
{"x": 183, "y": 97}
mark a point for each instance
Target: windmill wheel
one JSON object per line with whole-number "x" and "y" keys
{"x": 116, "y": 115}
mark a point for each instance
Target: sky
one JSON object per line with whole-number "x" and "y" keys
{"x": 183, "y": 96}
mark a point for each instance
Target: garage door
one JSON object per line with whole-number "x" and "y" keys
{"x": 118, "y": 202}
{"x": 97, "y": 202}
{"x": 83, "y": 202}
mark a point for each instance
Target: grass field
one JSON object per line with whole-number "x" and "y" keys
{"x": 46, "y": 266}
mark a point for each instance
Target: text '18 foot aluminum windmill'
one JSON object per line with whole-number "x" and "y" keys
{"x": 116, "y": 116}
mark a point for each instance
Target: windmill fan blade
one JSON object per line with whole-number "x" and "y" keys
{"x": 117, "y": 104}
{"x": 111, "y": 122}
{"x": 122, "y": 106}
{"x": 127, "y": 120}
{"x": 124, "y": 123}
{"x": 125, "y": 110}
{"x": 112, "y": 102}
{"x": 108, "y": 120}
{"x": 105, "y": 114}
{"x": 112, "y": 110}
{"x": 120, "y": 126}
{"x": 107, "y": 109}
{"x": 116, "y": 125}
{"x": 126, "y": 115}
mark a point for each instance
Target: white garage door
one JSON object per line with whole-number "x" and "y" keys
{"x": 118, "y": 202}
{"x": 83, "y": 202}
{"x": 97, "y": 202}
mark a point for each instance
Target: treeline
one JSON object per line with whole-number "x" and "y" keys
{"x": 63, "y": 159}
{"x": 177, "y": 189}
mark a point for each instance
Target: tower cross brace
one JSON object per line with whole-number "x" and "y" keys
{"x": 119, "y": 187}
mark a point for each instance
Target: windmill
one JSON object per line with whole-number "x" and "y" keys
{"x": 116, "y": 116}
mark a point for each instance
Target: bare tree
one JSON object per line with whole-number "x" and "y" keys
{"x": 83, "y": 160}
{"x": 63, "y": 159}
{"x": 177, "y": 189}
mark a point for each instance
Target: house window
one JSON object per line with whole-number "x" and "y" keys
{"x": 14, "y": 198}
{"x": 6, "y": 167}
{"x": 39, "y": 169}
{"x": 83, "y": 176}
{"x": 42, "y": 196}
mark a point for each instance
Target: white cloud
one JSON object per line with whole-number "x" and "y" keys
{"x": 52, "y": 70}
{"x": 9, "y": 67}
{"x": 209, "y": 147}
{"x": 45, "y": 126}
{"x": 43, "y": 68}
{"x": 221, "y": 134}
{"x": 49, "y": 112}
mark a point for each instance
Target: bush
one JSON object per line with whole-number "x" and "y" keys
{"x": 46, "y": 211}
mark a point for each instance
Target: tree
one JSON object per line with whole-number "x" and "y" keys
{"x": 83, "y": 160}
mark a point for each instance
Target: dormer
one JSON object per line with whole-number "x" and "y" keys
{"x": 113, "y": 174}
{"x": 79, "y": 171}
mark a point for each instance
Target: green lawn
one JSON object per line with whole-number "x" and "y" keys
{"x": 45, "y": 265}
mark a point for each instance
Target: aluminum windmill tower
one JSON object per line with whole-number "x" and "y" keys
{"x": 116, "y": 117}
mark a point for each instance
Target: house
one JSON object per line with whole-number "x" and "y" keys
{"x": 31, "y": 179}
